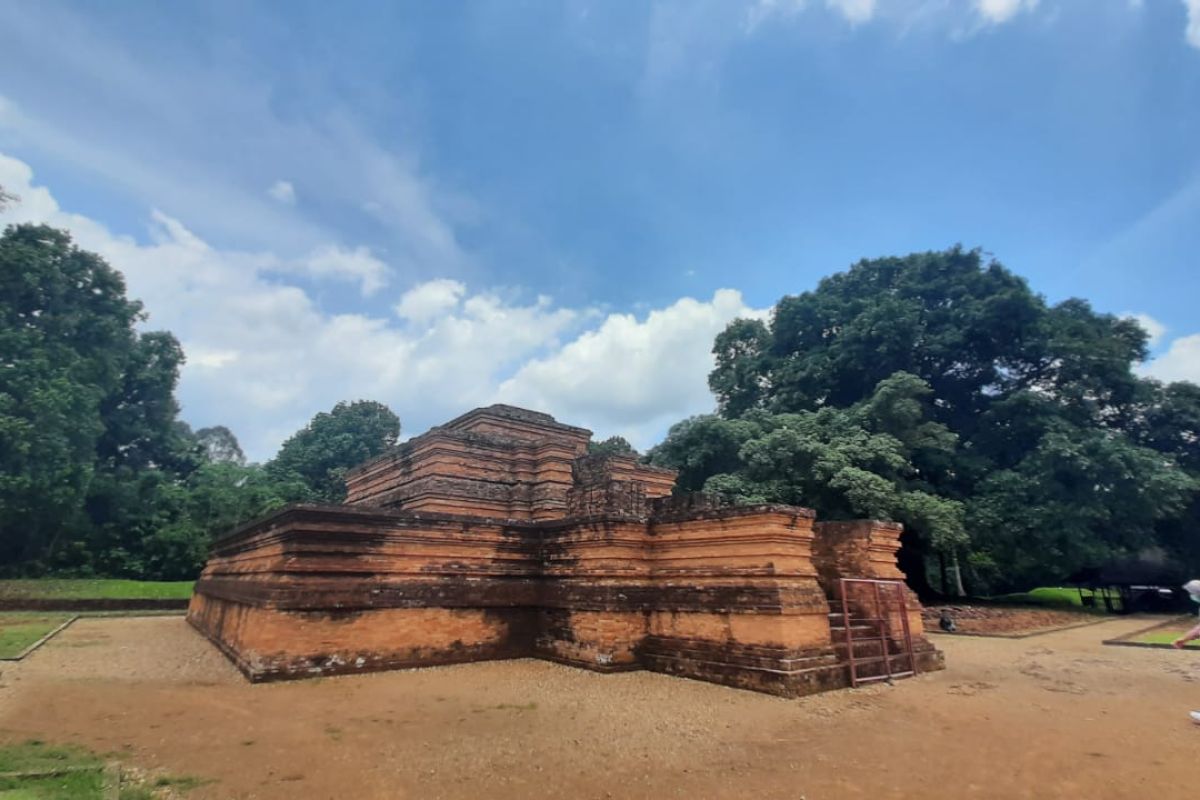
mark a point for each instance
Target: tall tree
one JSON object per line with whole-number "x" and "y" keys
{"x": 93, "y": 457}
{"x": 140, "y": 414}
{"x": 66, "y": 332}
{"x": 220, "y": 445}
{"x": 333, "y": 442}
{"x": 1020, "y": 384}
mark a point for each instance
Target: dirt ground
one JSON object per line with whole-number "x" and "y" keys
{"x": 1054, "y": 716}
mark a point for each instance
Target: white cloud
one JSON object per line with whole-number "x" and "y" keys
{"x": 1181, "y": 362}
{"x": 1153, "y": 328}
{"x": 198, "y": 356}
{"x": 284, "y": 192}
{"x": 355, "y": 264}
{"x": 263, "y": 356}
{"x": 431, "y": 299}
{"x": 632, "y": 376}
{"x": 959, "y": 18}
{"x": 997, "y": 11}
{"x": 762, "y": 10}
{"x": 1192, "y": 32}
{"x": 855, "y": 11}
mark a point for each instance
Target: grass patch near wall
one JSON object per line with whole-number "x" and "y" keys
{"x": 34, "y": 770}
{"x": 19, "y": 630}
{"x": 1065, "y": 597}
{"x": 1166, "y": 637}
{"x": 94, "y": 589}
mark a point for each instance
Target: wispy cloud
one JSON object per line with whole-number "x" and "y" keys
{"x": 996, "y": 12}
{"x": 284, "y": 192}
{"x": 958, "y": 18}
{"x": 178, "y": 157}
{"x": 1192, "y": 32}
{"x": 855, "y": 11}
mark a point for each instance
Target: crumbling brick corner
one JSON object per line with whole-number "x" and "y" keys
{"x": 498, "y": 536}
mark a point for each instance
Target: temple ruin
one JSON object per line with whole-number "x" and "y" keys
{"x": 497, "y": 535}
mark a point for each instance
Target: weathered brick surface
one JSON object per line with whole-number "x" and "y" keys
{"x": 496, "y": 536}
{"x": 867, "y": 549}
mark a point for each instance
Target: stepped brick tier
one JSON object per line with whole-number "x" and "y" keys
{"x": 496, "y": 535}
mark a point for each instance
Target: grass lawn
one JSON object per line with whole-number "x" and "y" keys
{"x": 34, "y": 770}
{"x": 1166, "y": 637}
{"x": 19, "y": 630}
{"x": 95, "y": 589}
{"x": 1054, "y": 596}
{"x": 55, "y": 773}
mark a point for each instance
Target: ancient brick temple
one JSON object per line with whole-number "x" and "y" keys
{"x": 496, "y": 535}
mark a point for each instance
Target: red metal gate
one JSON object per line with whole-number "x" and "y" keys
{"x": 867, "y": 592}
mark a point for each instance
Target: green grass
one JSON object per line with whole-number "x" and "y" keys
{"x": 19, "y": 630}
{"x": 94, "y": 589}
{"x": 84, "y": 781}
{"x": 1166, "y": 637}
{"x": 37, "y": 757}
{"x": 73, "y": 786}
{"x": 1054, "y": 597}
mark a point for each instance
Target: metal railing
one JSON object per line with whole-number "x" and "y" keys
{"x": 883, "y": 619}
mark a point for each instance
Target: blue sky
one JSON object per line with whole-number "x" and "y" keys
{"x": 439, "y": 205}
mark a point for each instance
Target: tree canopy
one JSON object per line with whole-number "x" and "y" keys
{"x": 98, "y": 475}
{"x": 319, "y": 454}
{"x": 1063, "y": 455}
{"x": 613, "y": 445}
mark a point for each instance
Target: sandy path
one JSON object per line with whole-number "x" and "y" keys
{"x": 1054, "y": 716}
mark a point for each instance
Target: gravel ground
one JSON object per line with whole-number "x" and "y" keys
{"x": 1057, "y": 716}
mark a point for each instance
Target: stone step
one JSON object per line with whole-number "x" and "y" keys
{"x": 865, "y": 649}
{"x": 859, "y": 632}
{"x": 874, "y": 667}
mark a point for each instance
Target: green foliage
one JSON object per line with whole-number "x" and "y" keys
{"x": 738, "y": 380}
{"x": 66, "y": 335}
{"x": 701, "y": 447}
{"x": 613, "y": 445}
{"x": 220, "y": 445}
{"x": 843, "y": 463}
{"x": 1064, "y": 456}
{"x": 319, "y": 455}
{"x": 98, "y": 476}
